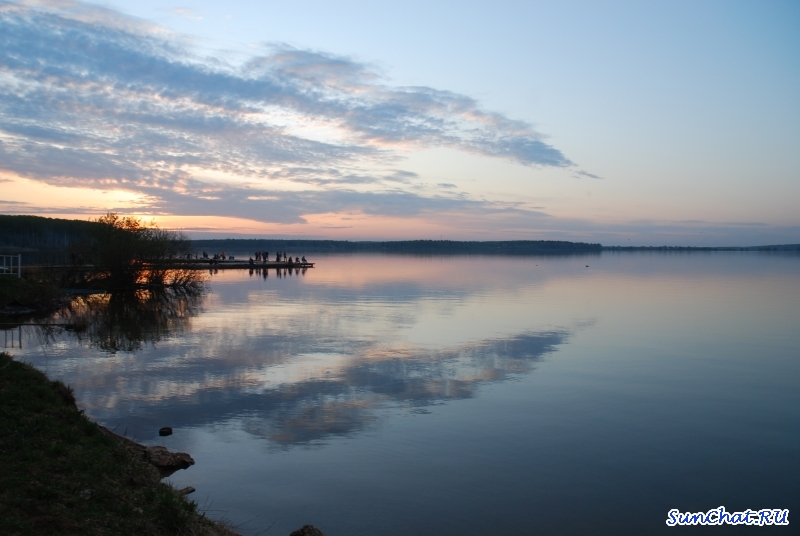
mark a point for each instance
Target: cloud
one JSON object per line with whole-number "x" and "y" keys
{"x": 581, "y": 173}
{"x": 288, "y": 207}
{"x": 92, "y": 98}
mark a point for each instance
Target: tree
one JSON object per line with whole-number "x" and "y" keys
{"x": 126, "y": 253}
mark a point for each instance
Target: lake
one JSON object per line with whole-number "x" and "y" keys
{"x": 461, "y": 395}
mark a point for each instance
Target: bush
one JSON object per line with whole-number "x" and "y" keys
{"x": 125, "y": 253}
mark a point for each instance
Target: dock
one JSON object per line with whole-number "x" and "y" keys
{"x": 194, "y": 264}
{"x": 203, "y": 264}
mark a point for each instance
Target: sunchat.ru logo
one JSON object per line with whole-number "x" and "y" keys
{"x": 718, "y": 516}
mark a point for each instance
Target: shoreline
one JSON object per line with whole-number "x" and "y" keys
{"x": 66, "y": 474}
{"x": 186, "y": 264}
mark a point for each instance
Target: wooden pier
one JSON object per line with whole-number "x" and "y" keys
{"x": 193, "y": 264}
{"x": 203, "y": 264}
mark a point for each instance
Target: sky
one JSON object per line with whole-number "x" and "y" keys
{"x": 625, "y": 123}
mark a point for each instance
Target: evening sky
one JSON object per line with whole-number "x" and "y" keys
{"x": 620, "y": 122}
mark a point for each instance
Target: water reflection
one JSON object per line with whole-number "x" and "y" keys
{"x": 301, "y": 358}
{"x": 125, "y": 321}
{"x": 292, "y": 393}
{"x": 311, "y": 410}
{"x": 264, "y": 272}
{"x": 294, "y": 365}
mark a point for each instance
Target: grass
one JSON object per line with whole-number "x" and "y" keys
{"x": 37, "y": 294}
{"x": 61, "y": 475}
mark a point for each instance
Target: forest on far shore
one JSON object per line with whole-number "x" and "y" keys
{"x": 21, "y": 234}
{"x": 434, "y": 247}
{"x": 39, "y": 233}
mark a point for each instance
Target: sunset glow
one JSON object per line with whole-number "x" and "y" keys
{"x": 670, "y": 123}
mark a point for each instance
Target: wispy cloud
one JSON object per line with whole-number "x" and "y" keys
{"x": 92, "y": 98}
{"x": 581, "y": 173}
{"x": 288, "y": 207}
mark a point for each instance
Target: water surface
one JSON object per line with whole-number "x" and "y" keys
{"x": 471, "y": 395}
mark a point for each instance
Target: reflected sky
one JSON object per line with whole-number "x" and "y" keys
{"x": 297, "y": 359}
{"x": 464, "y": 387}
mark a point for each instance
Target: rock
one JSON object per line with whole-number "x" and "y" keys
{"x": 165, "y": 431}
{"x": 165, "y": 461}
{"x": 308, "y": 530}
{"x": 168, "y": 462}
{"x": 186, "y": 491}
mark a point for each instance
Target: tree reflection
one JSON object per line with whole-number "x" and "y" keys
{"x": 127, "y": 321}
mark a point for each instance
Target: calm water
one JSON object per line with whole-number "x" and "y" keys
{"x": 401, "y": 395}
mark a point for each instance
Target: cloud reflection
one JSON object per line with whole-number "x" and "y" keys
{"x": 313, "y": 410}
{"x": 287, "y": 386}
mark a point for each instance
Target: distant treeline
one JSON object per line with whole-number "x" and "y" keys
{"x": 41, "y": 240}
{"x": 50, "y": 237}
{"x": 423, "y": 247}
{"x": 38, "y": 233}
{"x": 781, "y": 247}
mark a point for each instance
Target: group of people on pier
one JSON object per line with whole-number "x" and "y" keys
{"x": 260, "y": 257}
{"x": 218, "y": 256}
{"x": 281, "y": 256}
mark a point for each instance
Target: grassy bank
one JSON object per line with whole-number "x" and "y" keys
{"x": 34, "y": 293}
{"x": 62, "y": 475}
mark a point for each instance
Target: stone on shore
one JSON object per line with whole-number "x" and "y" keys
{"x": 168, "y": 462}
